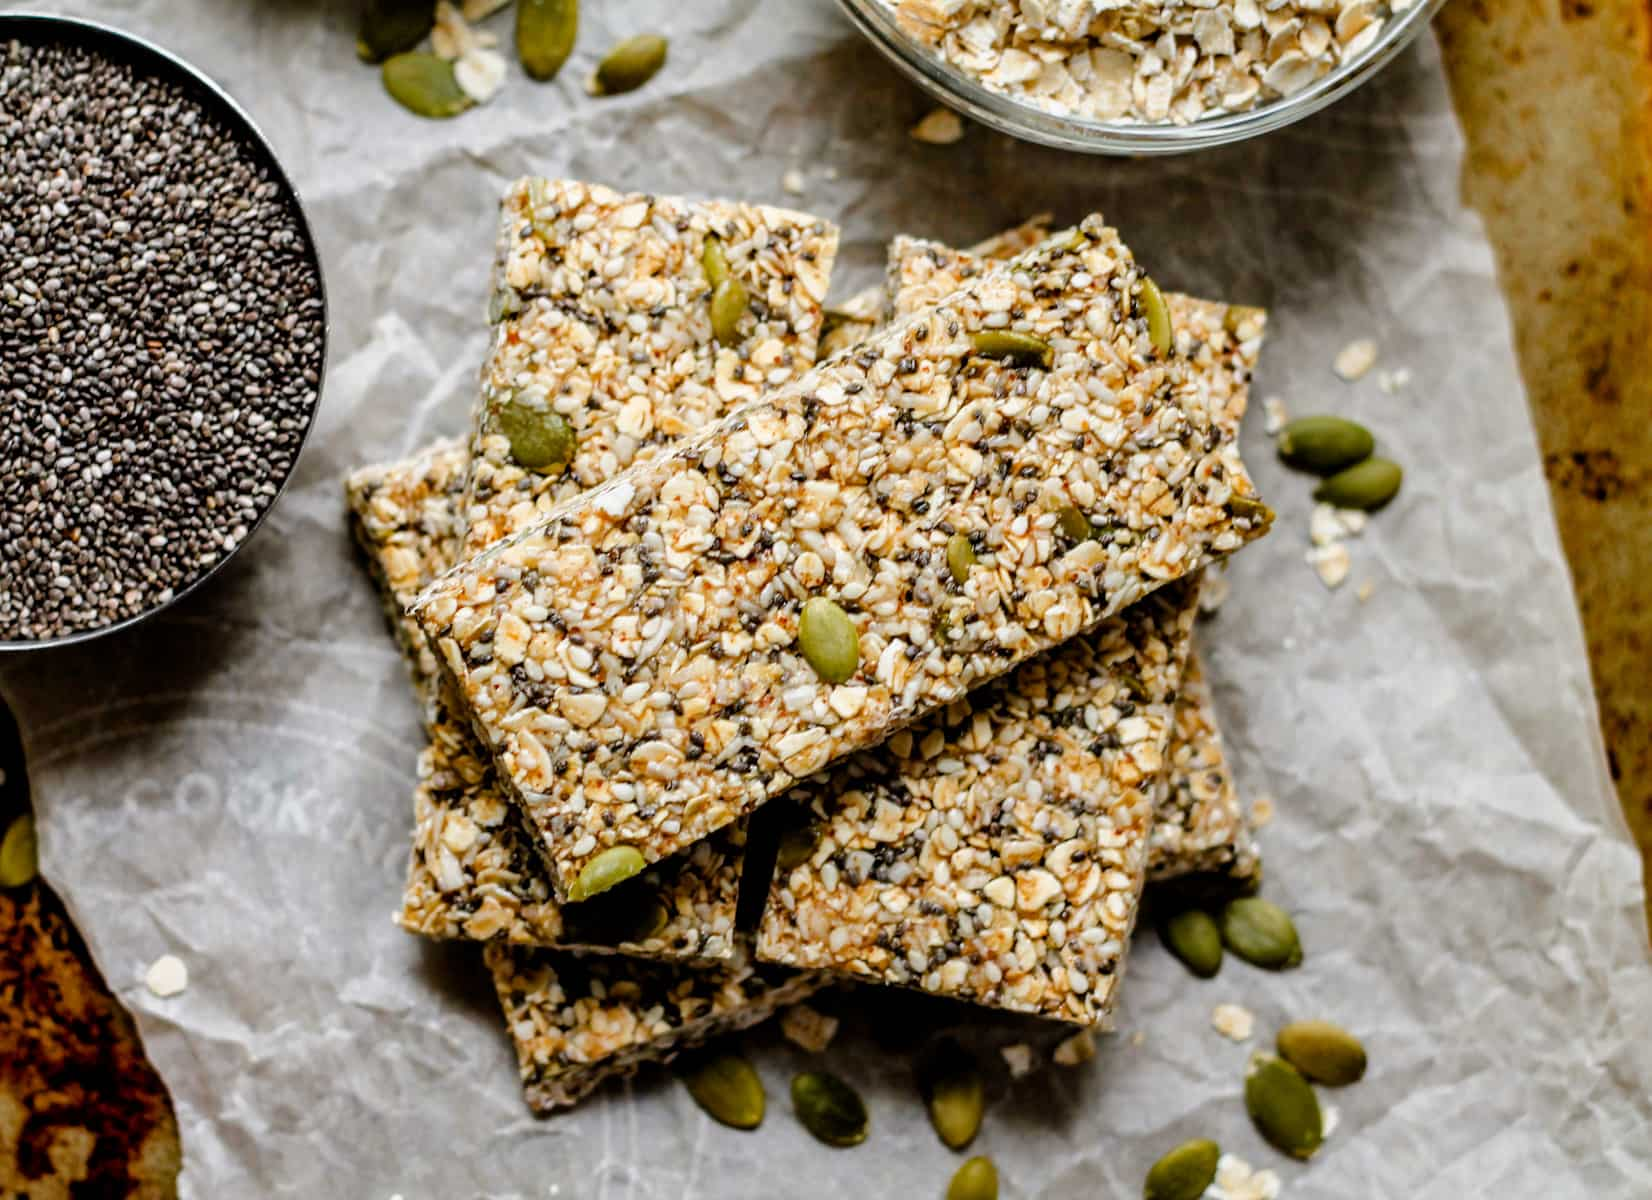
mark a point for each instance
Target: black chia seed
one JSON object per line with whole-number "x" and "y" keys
{"x": 160, "y": 340}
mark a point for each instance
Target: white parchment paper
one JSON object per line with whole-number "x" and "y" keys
{"x": 231, "y": 783}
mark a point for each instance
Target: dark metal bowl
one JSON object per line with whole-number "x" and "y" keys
{"x": 149, "y": 59}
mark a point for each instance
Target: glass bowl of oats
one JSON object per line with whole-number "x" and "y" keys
{"x": 1139, "y": 76}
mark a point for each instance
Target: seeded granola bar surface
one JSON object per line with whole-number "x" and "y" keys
{"x": 632, "y": 661}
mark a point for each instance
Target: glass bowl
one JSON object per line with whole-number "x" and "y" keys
{"x": 958, "y": 90}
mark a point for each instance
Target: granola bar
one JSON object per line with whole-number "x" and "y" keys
{"x": 633, "y": 660}
{"x": 996, "y": 852}
{"x": 474, "y": 872}
{"x": 577, "y": 1020}
{"x": 1202, "y": 826}
{"x": 603, "y": 317}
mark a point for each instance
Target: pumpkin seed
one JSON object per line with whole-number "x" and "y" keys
{"x": 1238, "y": 316}
{"x": 1250, "y": 509}
{"x": 1021, "y": 349}
{"x": 1260, "y": 932}
{"x": 630, "y": 64}
{"x": 1192, "y": 936}
{"x": 541, "y": 439}
{"x": 1282, "y": 1106}
{"x": 714, "y": 261}
{"x": 393, "y": 26}
{"x": 505, "y": 302}
{"x": 960, "y": 557}
{"x": 545, "y": 32}
{"x": 797, "y": 845}
{"x": 954, "y": 1093}
{"x": 828, "y": 639}
{"x": 1184, "y": 1173}
{"x": 729, "y": 303}
{"x": 1157, "y": 312}
{"x": 19, "y": 853}
{"x": 1324, "y": 444}
{"x": 977, "y": 1179}
{"x": 829, "y": 1108}
{"x": 1073, "y": 523}
{"x": 1323, "y": 1052}
{"x": 1368, "y": 485}
{"x": 425, "y": 85}
{"x": 613, "y": 866}
{"x": 726, "y": 1087}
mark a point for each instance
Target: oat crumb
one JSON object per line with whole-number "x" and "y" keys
{"x": 1080, "y": 1048}
{"x": 1261, "y": 810}
{"x": 1274, "y": 414}
{"x": 1233, "y": 1021}
{"x": 1236, "y": 1180}
{"x": 167, "y": 976}
{"x": 1137, "y": 1038}
{"x": 1365, "y": 590}
{"x": 808, "y": 1027}
{"x": 940, "y": 127}
{"x": 829, "y": 173}
{"x": 792, "y": 182}
{"x": 1018, "y": 1058}
{"x": 1331, "y": 563}
{"x": 1355, "y": 359}
{"x": 1394, "y": 381}
{"x": 1329, "y": 1118}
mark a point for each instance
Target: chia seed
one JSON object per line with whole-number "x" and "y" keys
{"x": 161, "y": 339}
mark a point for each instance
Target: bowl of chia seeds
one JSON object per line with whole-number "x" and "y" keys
{"x": 162, "y": 329}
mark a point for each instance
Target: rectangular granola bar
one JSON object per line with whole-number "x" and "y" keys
{"x": 474, "y": 872}
{"x": 603, "y": 327}
{"x": 633, "y": 661}
{"x": 577, "y": 1021}
{"x": 1202, "y": 826}
{"x": 996, "y": 852}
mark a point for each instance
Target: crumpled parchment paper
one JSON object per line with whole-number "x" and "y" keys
{"x": 231, "y": 783}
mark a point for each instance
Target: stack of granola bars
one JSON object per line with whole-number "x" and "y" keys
{"x": 925, "y": 580}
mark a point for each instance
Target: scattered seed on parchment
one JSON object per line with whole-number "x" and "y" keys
{"x": 1331, "y": 563}
{"x": 1233, "y": 1021}
{"x": 1331, "y": 524}
{"x": 1080, "y": 1048}
{"x": 480, "y": 73}
{"x": 1275, "y": 415}
{"x": 1355, "y": 359}
{"x": 167, "y": 976}
{"x": 1018, "y": 1058}
{"x": 1261, "y": 810}
{"x": 808, "y": 1028}
{"x": 792, "y": 182}
{"x": 939, "y": 127}
{"x": 1365, "y": 590}
{"x": 1237, "y": 1180}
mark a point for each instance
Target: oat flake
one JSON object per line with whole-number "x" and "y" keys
{"x": 1233, "y": 1021}
{"x": 1355, "y": 359}
{"x": 167, "y": 976}
{"x": 940, "y": 127}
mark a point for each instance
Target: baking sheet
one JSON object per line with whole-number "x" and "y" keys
{"x": 231, "y": 783}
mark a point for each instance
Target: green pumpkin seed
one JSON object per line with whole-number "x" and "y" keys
{"x": 1260, "y": 932}
{"x": 1368, "y": 485}
{"x": 1324, "y": 444}
{"x": 393, "y": 26}
{"x": 714, "y": 261}
{"x": 954, "y": 1093}
{"x": 1250, "y": 509}
{"x": 1283, "y": 1107}
{"x": 1073, "y": 523}
{"x": 541, "y": 439}
{"x": 504, "y": 302}
{"x": 729, "y": 303}
{"x": 19, "y": 853}
{"x": 1323, "y": 1052}
{"x": 829, "y": 1108}
{"x": 1238, "y": 316}
{"x": 977, "y": 1179}
{"x": 829, "y": 640}
{"x": 630, "y": 64}
{"x": 613, "y": 866}
{"x": 960, "y": 557}
{"x": 1184, "y": 1173}
{"x": 726, "y": 1087}
{"x": 797, "y": 845}
{"x": 1157, "y": 312}
{"x": 1021, "y": 349}
{"x": 424, "y": 84}
{"x": 1192, "y": 936}
{"x": 545, "y": 32}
